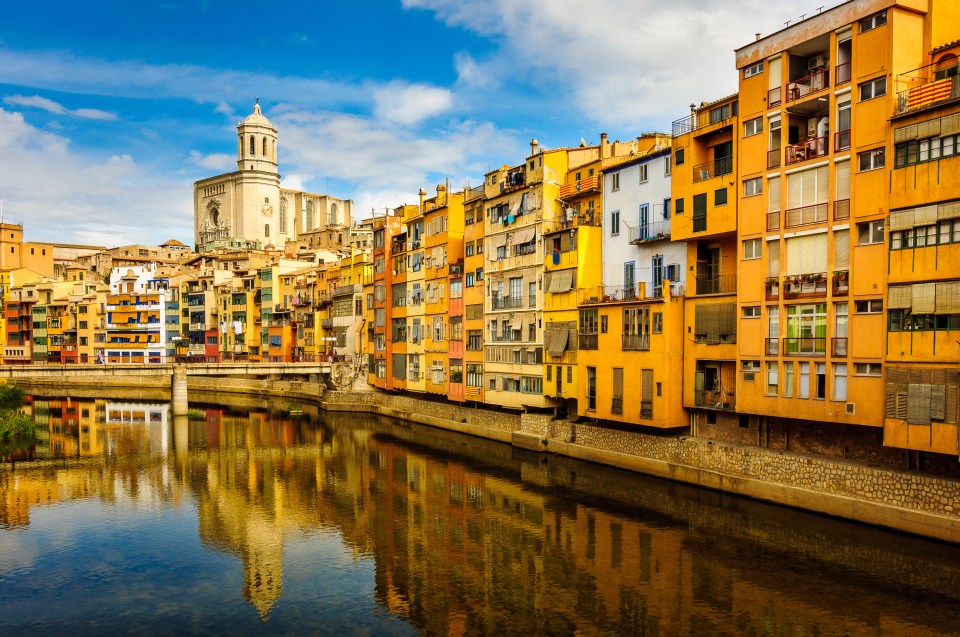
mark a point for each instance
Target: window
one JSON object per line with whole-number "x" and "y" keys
{"x": 870, "y": 232}
{"x": 679, "y": 157}
{"x": 750, "y": 366}
{"x": 872, "y": 159}
{"x": 603, "y": 324}
{"x": 867, "y": 369}
{"x": 615, "y": 222}
{"x": 679, "y": 206}
{"x": 720, "y": 197}
{"x": 752, "y": 187}
{"x": 469, "y": 282}
{"x": 804, "y": 380}
{"x": 474, "y": 375}
{"x": 615, "y": 181}
{"x": 753, "y": 126}
{"x": 666, "y": 166}
{"x": 643, "y": 173}
{"x": 750, "y": 311}
{"x": 821, "y": 386}
{"x": 873, "y": 21}
{"x": 872, "y": 306}
{"x": 752, "y": 70}
{"x": 752, "y": 248}
{"x": 469, "y": 249}
{"x": 914, "y": 151}
{"x": 657, "y": 322}
{"x": 788, "y": 379}
{"x": 873, "y": 88}
{"x": 479, "y": 246}
{"x": 840, "y": 381}
{"x": 773, "y": 380}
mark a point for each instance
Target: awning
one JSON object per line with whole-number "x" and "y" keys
{"x": 558, "y": 342}
{"x": 525, "y": 235}
{"x": 564, "y": 280}
{"x": 516, "y": 322}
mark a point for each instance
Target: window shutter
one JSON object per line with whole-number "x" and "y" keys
{"x": 918, "y": 404}
{"x": 949, "y": 210}
{"x": 646, "y": 384}
{"x": 899, "y": 297}
{"x": 937, "y": 402}
{"x": 924, "y": 298}
{"x": 950, "y": 125}
{"x": 808, "y": 194}
{"x": 929, "y": 128}
{"x": 773, "y": 194}
{"x": 773, "y": 258}
{"x": 822, "y": 177}
{"x": 773, "y": 71}
{"x": 794, "y": 190}
{"x": 793, "y": 255}
{"x": 902, "y": 220}
{"x": 843, "y": 180}
{"x": 948, "y": 297}
{"x": 905, "y": 133}
{"x": 841, "y": 250}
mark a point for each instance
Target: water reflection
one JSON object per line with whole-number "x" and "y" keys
{"x": 468, "y": 537}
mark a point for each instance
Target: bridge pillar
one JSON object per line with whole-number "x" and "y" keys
{"x": 179, "y": 391}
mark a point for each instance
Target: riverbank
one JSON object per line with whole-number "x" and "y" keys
{"x": 915, "y": 503}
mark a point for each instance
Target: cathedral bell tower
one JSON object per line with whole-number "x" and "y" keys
{"x": 257, "y": 143}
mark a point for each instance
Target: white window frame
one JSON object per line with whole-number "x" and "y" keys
{"x": 840, "y": 388}
{"x": 753, "y": 69}
{"x": 615, "y": 223}
{"x": 752, "y": 249}
{"x": 643, "y": 173}
{"x": 753, "y": 127}
{"x": 871, "y": 306}
{"x": 877, "y": 87}
{"x": 872, "y": 231}
{"x": 874, "y": 21}
{"x": 772, "y": 378}
{"x": 753, "y": 187}
{"x": 872, "y": 159}
{"x": 868, "y": 369}
{"x": 750, "y": 311}
{"x": 615, "y": 181}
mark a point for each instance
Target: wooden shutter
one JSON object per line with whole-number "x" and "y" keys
{"x": 822, "y": 177}
{"x": 794, "y": 190}
{"x": 843, "y": 180}
{"x": 793, "y": 255}
{"x": 899, "y": 297}
{"x": 841, "y": 250}
{"x": 924, "y": 298}
{"x": 918, "y": 404}
{"x": 646, "y": 388}
{"x": 950, "y": 124}
{"x": 808, "y": 193}
{"x": 949, "y": 210}
{"x": 773, "y": 258}
{"x": 901, "y": 220}
{"x": 937, "y": 402}
{"x": 948, "y": 297}
{"x": 904, "y": 133}
{"x": 925, "y": 215}
{"x": 773, "y": 194}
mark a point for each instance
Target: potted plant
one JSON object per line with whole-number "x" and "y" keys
{"x": 841, "y": 275}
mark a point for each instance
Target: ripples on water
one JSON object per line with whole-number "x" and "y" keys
{"x": 128, "y": 521}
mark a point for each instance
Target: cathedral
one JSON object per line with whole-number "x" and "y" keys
{"x": 248, "y": 207}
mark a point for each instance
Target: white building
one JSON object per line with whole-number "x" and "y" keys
{"x": 136, "y": 316}
{"x": 637, "y": 252}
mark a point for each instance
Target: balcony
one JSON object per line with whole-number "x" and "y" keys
{"x": 841, "y": 209}
{"x": 842, "y": 73}
{"x": 588, "y": 341}
{"x": 841, "y": 140}
{"x": 616, "y": 405}
{"x": 774, "y": 97}
{"x": 715, "y": 117}
{"x": 813, "y": 284}
{"x": 773, "y": 220}
{"x": 771, "y": 346}
{"x": 717, "y": 284}
{"x": 841, "y": 282}
{"x": 515, "y": 179}
{"x": 838, "y": 346}
{"x": 804, "y": 346}
{"x": 650, "y": 232}
{"x": 806, "y": 215}
{"x": 711, "y": 169}
{"x": 713, "y": 399}
{"x": 927, "y": 86}
{"x": 772, "y": 288}
{"x": 636, "y": 342}
{"x": 807, "y": 149}
{"x": 506, "y": 302}
{"x": 813, "y": 83}
{"x": 773, "y": 158}
{"x": 580, "y": 186}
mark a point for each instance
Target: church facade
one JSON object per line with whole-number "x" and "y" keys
{"x": 248, "y": 206}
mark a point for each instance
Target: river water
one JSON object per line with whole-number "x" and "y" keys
{"x": 249, "y": 521}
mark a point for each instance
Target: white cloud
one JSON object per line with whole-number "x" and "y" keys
{"x": 44, "y": 104}
{"x": 64, "y": 195}
{"x": 220, "y": 162}
{"x": 293, "y": 182}
{"x": 621, "y": 63}
{"x": 410, "y": 103}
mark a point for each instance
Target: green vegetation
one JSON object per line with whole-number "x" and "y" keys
{"x": 17, "y": 430}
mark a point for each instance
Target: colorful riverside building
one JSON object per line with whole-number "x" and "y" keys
{"x": 473, "y": 293}
{"x": 631, "y": 326}
{"x": 825, "y": 106}
{"x": 136, "y": 327}
{"x": 704, "y": 188}
{"x": 385, "y": 230}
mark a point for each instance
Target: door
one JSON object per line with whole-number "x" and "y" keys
{"x": 629, "y": 280}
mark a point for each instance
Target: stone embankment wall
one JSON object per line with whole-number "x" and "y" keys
{"x": 912, "y": 502}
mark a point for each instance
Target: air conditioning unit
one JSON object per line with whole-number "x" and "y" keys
{"x": 816, "y": 62}
{"x": 850, "y": 409}
{"x": 748, "y": 376}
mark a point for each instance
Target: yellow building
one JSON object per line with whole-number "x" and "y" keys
{"x": 411, "y": 294}
{"x": 705, "y": 217}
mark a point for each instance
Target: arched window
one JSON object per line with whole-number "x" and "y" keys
{"x": 332, "y": 217}
{"x": 308, "y": 225}
{"x": 266, "y": 230}
{"x": 946, "y": 67}
{"x": 253, "y": 145}
{"x": 264, "y": 146}
{"x": 283, "y": 215}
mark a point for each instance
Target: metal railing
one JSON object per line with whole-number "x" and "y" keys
{"x": 717, "y": 284}
{"x": 804, "y": 346}
{"x": 926, "y": 86}
{"x": 657, "y": 231}
{"x": 771, "y": 346}
{"x": 588, "y": 341}
{"x": 713, "y": 399}
{"x": 841, "y": 282}
{"x": 506, "y": 302}
{"x": 646, "y": 409}
{"x": 838, "y": 346}
{"x": 842, "y": 73}
{"x": 805, "y": 284}
{"x": 841, "y": 209}
{"x": 616, "y": 406}
{"x": 773, "y": 220}
{"x": 841, "y": 140}
{"x": 807, "y": 149}
{"x": 773, "y": 158}
{"x": 636, "y": 342}
{"x": 716, "y": 168}
{"x": 774, "y": 97}
{"x": 806, "y": 215}
{"x": 804, "y": 86}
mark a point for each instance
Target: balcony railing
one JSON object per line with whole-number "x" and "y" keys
{"x": 649, "y": 232}
{"x": 841, "y": 140}
{"x": 926, "y": 86}
{"x": 646, "y": 409}
{"x": 717, "y": 284}
{"x": 842, "y": 73}
{"x": 774, "y": 97}
{"x": 716, "y": 168}
{"x": 636, "y": 342}
{"x": 804, "y": 346}
{"x": 616, "y": 406}
{"x": 773, "y": 220}
{"x": 588, "y": 341}
{"x": 807, "y": 149}
{"x": 813, "y": 83}
{"x": 841, "y": 282}
{"x": 841, "y": 209}
{"x": 713, "y": 399}
{"x": 838, "y": 346}
{"x": 806, "y": 215}
{"x": 771, "y": 346}
{"x": 506, "y": 302}
{"x": 773, "y": 158}
{"x": 772, "y": 288}
{"x": 814, "y": 284}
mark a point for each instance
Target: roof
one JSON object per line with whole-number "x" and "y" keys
{"x": 256, "y": 118}
{"x": 944, "y": 47}
{"x": 174, "y": 242}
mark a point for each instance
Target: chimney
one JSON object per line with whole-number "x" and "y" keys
{"x": 423, "y": 195}
{"x": 604, "y": 146}
{"x": 534, "y": 144}
{"x": 758, "y": 36}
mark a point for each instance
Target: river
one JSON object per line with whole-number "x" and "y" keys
{"x": 252, "y": 521}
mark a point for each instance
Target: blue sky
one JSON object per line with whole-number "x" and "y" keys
{"x": 109, "y": 111}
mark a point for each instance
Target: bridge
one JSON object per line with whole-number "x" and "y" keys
{"x": 177, "y": 372}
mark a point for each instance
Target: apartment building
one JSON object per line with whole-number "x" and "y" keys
{"x": 473, "y": 293}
